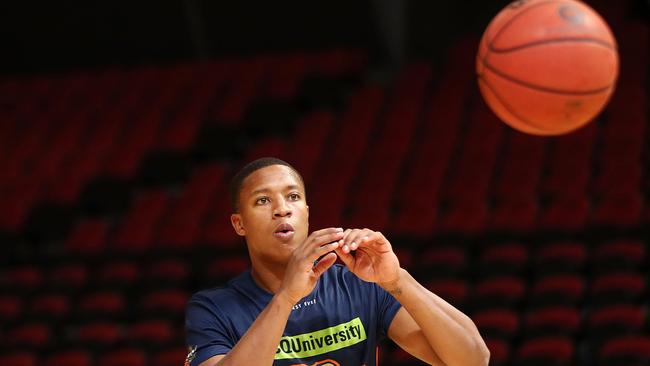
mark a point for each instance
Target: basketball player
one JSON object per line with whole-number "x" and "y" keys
{"x": 295, "y": 307}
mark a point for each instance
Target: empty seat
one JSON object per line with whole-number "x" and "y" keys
{"x": 123, "y": 357}
{"x": 22, "y": 279}
{"x": 619, "y": 210}
{"x": 560, "y": 257}
{"x": 104, "y": 304}
{"x": 118, "y": 274}
{"x": 152, "y": 332}
{"x": 499, "y": 351}
{"x": 19, "y": 359}
{"x": 222, "y": 269}
{"x": 31, "y": 336}
{"x": 497, "y": 323}
{"x": 545, "y": 351}
{"x": 97, "y": 334}
{"x": 498, "y": 292}
{"x": 567, "y": 213}
{"x": 508, "y": 258}
{"x": 170, "y": 357}
{"x": 170, "y": 302}
{"x": 88, "y": 236}
{"x": 10, "y": 307}
{"x": 454, "y": 291}
{"x": 69, "y": 277}
{"x": 625, "y": 350}
{"x": 555, "y": 320}
{"x": 616, "y": 320}
{"x": 619, "y": 255}
{"x": 168, "y": 272}
{"x": 561, "y": 289}
{"x": 617, "y": 288}
{"x": 69, "y": 358}
{"x": 517, "y": 215}
{"x": 441, "y": 260}
{"x": 51, "y": 307}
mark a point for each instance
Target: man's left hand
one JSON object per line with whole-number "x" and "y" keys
{"x": 369, "y": 255}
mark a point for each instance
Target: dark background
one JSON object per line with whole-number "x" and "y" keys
{"x": 39, "y": 36}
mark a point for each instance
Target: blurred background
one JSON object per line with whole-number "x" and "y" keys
{"x": 121, "y": 124}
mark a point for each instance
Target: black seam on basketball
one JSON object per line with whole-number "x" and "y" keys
{"x": 508, "y": 108}
{"x": 523, "y": 11}
{"x": 543, "y": 88}
{"x": 549, "y": 41}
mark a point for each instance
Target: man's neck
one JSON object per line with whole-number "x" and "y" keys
{"x": 268, "y": 276}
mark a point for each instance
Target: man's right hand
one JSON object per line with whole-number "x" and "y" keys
{"x": 301, "y": 274}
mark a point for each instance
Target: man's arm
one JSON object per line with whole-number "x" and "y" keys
{"x": 427, "y": 326}
{"x": 260, "y": 342}
{"x": 431, "y": 329}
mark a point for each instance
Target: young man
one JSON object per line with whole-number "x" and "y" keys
{"x": 295, "y": 307}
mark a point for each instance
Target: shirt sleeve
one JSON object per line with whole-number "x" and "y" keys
{"x": 387, "y": 307}
{"x": 206, "y": 330}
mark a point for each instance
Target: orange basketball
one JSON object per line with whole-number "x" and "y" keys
{"x": 547, "y": 67}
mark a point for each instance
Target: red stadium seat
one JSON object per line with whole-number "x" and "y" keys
{"x": 117, "y": 274}
{"x": 619, "y": 255}
{"x": 625, "y": 350}
{"x": 611, "y": 288}
{"x": 123, "y": 357}
{"x": 19, "y": 359}
{"x": 451, "y": 290}
{"x": 69, "y": 358}
{"x": 10, "y": 307}
{"x": 151, "y": 332}
{"x": 499, "y": 351}
{"x": 443, "y": 260}
{"x": 50, "y": 307}
{"x": 508, "y": 258}
{"x": 102, "y": 304}
{"x": 560, "y": 289}
{"x": 31, "y": 335}
{"x": 555, "y": 320}
{"x": 68, "y": 277}
{"x": 617, "y": 319}
{"x": 99, "y": 334}
{"x": 546, "y": 350}
{"x": 560, "y": 257}
{"x": 88, "y": 236}
{"x": 170, "y": 357}
{"x": 498, "y": 292}
{"x": 499, "y": 323}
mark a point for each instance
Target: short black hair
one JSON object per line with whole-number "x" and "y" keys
{"x": 255, "y": 165}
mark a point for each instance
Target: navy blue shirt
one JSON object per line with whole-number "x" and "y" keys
{"x": 339, "y": 323}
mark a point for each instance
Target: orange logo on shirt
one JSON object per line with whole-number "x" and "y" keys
{"x": 321, "y": 363}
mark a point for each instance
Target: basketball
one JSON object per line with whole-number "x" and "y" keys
{"x": 547, "y": 67}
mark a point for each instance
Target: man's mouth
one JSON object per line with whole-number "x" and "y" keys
{"x": 284, "y": 232}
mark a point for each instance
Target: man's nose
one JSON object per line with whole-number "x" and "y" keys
{"x": 281, "y": 209}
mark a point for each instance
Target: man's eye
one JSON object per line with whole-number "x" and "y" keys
{"x": 262, "y": 201}
{"x": 294, "y": 196}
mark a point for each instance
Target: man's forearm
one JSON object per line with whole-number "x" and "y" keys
{"x": 259, "y": 344}
{"x": 450, "y": 333}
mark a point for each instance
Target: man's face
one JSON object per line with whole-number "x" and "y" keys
{"x": 273, "y": 213}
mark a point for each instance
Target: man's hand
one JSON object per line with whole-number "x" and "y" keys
{"x": 369, "y": 255}
{"x": 301, "y": 274}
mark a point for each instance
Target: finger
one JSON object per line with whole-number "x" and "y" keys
{"x": 347, "y": 258}
{"x": 321, "y": 250}
{"x": 318, "y": 238}
{"x": 324, "y": 264}
{"x": 349, "y": 238}
{"x": 355, "y": 239}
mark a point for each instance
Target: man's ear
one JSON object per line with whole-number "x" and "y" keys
{"x": 237, "y": 224}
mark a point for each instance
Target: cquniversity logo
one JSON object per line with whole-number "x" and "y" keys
{"x": 321, "y": 341}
